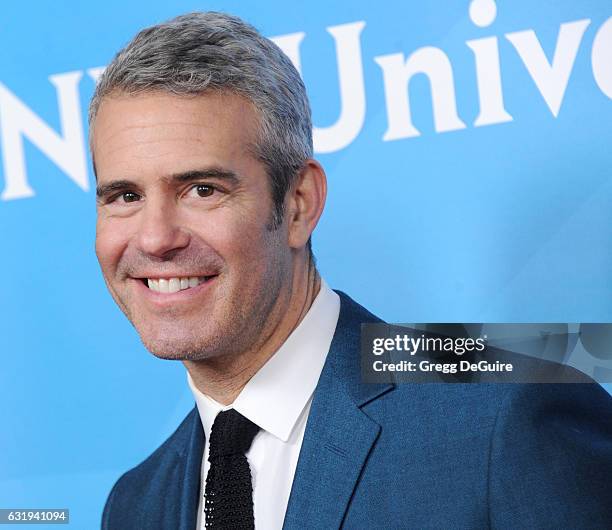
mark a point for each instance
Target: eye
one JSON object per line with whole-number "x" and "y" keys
{"x": 129, "y": 196}
{"x": 204, "y": 190}
{"x": 123, "y": 198}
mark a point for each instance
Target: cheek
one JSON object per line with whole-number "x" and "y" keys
{"x": 110, "y": 242}
{"x": 234, "y": 233}
{"x": 239, "y": 246}
{"x": 262, "y": 256}
{"x": 254, "y": 241}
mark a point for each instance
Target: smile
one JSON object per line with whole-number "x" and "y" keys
{"x": 174, "y": 285}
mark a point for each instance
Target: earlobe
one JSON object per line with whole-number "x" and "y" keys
{"x": 306, "y": 202}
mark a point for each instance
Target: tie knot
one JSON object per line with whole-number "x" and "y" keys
{"x": 231, "y": 434}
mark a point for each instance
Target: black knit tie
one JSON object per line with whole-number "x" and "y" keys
{"x": 229, "y": 493}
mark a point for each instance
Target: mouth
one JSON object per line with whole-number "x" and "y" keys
{"x": 175, "y": 284}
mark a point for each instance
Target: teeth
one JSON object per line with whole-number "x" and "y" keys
{"x": 173, "y": 285}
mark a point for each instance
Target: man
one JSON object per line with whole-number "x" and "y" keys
{"x": 207, "y": 197}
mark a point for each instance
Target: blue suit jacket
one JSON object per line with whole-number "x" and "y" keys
{"x": 380, "y": 456}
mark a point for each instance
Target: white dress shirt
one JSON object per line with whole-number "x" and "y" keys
{"x": 277, "y": 399}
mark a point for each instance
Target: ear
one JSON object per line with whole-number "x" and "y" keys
{"x": 306, "y": 200}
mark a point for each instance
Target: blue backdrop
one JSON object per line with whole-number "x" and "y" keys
{"x": 467, "y": 146}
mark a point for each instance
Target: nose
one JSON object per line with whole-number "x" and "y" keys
{"x": 160, "y": 233}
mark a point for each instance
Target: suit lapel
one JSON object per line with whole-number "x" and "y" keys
{"x": 336, "y": 444}
{"x": 339, "y": 435}
{"x": 187, "y": 508}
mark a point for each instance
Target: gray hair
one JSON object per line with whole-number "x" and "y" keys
{"x": 200, "y": 52}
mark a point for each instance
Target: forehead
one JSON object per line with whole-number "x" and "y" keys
{"x": 163, "y": 133}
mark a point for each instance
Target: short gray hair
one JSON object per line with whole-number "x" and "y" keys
{"x": 211, "y": 51}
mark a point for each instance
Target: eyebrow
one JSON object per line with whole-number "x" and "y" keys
{"x": 199, "y": 174}
{"x": 177, "y": 178}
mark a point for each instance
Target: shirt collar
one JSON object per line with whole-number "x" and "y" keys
{"x": 276, "y": 395}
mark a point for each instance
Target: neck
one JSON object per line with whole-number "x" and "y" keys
{"x": 223, "y": 378}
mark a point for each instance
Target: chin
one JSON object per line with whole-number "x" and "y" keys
{"x": 167, "y": 341}
{"x": 178, "y": 348}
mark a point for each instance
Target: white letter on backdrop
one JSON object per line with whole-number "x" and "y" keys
{"x": 397, "y": 73}
{"x": 551, "y": 79}
{"x": 67, "y": 150}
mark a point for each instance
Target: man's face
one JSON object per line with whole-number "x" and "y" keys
{"x": 183, "y": 231}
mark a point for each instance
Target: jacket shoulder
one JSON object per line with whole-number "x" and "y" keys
{"x": 127, "y": 502}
